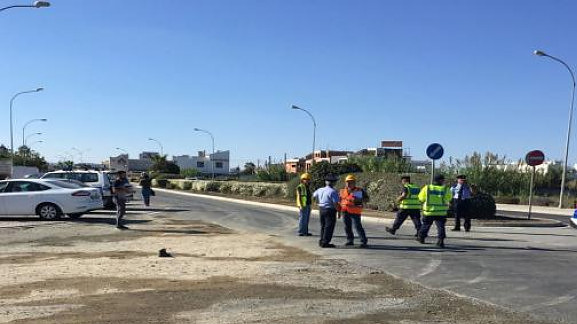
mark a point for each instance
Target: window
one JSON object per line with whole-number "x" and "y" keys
{"x": 200, "y": 164}
{"x": 23, "y": 186}
{"x": 3, "y": 185}
{"x": 218, "y": 165}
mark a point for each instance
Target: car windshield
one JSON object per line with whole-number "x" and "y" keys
{"x": 68, "y": 184}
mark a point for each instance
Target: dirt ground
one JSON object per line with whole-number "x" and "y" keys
{"x": 76, "y": 272}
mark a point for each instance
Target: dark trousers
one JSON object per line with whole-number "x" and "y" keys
{"x": 439, "y": 222}
{"x": 461, "y": 210}
{"x": 349, "y": 219}
{"x": 120, "y": 209}
{"x": 328, "y": 222}
{"x": 402, "y": 215}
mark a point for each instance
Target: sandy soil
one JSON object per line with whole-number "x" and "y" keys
{"x": 74, "y": 273}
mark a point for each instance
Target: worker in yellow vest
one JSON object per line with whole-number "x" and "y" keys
{"x": 352, "y": 199}
{"x": 409, "y": 206}
{"x": 435, "y": 199}
{"x": 304, "y": 201}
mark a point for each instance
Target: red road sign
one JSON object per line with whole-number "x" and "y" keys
{"x": 534, "y": 158}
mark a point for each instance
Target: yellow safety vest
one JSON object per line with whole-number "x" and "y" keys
{"x": 412, "y": 199}
{"x": 435, "y": 200}
{"x": 303, "y": 195}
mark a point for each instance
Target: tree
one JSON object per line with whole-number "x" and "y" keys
{"x": 26, "y": 157}
{"x": 249, "y": 168}
{"x": 161, "y": 165}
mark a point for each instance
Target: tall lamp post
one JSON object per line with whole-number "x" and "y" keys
{"x": 27, "y": 137}
{"x": 25, "y": 125}
{"x": 159, "y": 144}
{"x": 12, "y": 120}
{"x": 35, "y": 4}
{"x": 314, "y": 128}
{"x": 212, "y": 137}
{"x": 564, "y": 175}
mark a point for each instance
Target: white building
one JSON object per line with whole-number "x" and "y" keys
{"x": 122, "y": 162}
{"x": 220, "y": 161}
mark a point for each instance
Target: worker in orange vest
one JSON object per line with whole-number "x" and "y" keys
{"x": 351, "y": 207}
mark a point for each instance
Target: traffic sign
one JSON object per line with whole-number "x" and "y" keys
{"x": 535, "y": 158}
{"x": 435, "y": 151}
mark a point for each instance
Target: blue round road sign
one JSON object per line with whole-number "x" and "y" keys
{"x": 435, "y": 151}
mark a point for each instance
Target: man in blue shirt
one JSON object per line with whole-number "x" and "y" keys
{"x": 460, "y": 203}
{"x": 328, "y": 200}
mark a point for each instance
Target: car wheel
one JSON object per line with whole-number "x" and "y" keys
{"x": 75, "y": 216}
{"x": 48, "y": 211}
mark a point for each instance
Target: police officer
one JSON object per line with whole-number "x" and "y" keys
{"x": 409, "y": 206}
{"x": 303, "y": 195}
{"x": 351, "y": 204}
{"x": 435, "y": 199}
{"x": 461, "y": 193}
{"x": 328, "y": 200}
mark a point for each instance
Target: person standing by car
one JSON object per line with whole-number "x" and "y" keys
{"x": 146, "y": 184}
{"x": 351, "y": 200}
{"x": 121, "y": 188}
{"x": 328, "y": 200}
{"x": 303, "y": 195}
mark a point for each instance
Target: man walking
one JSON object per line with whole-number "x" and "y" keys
{"x": 435, "y": 199}
{"x": 328, "y": 200}
{"x": 351, "y": 202}
{"x": 303, "y": 195}
{"x": 409, "y": 206}
{"x": 121, "y": 188}
{"x": 461, "y": 193}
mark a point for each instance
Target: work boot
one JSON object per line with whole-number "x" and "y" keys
{"x": 421, "y": 239}
{"x": 441, "y": 243}
{"x": 364, "y": 246}
{"x": 349, "y": 243}
{"x": 328, "y": 245}
{"x": 455, "y": 229}
{"x": 390, "y": 230}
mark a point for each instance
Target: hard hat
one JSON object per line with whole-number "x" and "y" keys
{"x": 350, "y": 177}
{"x": 305, "y": 176}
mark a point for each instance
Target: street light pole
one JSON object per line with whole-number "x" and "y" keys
{"x": 125, "y": 151}
{"x": 35, "y": 4}
{"x": 27, "y": 137}
{"x": 159, "y": 144}
{"x": 314, "y": 128}
{"x": 29, "y": 122}
{"x": 212, "y": 158}
{"x": 12, "y": 124}
{"x": 564, "y": 175}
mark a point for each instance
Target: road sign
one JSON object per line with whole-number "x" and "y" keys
{"x": 535, "y": 158}
{"x": 435, "y": 151}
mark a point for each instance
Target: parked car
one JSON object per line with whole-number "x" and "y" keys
{"x": 49, "y": 198}
{"x": 95, "y": 179}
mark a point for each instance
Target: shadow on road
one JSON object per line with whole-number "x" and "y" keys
{"x": 107, "y": 220}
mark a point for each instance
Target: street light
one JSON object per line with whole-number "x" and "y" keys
{"x": 27, "y": 137}
{"x": 80, "y": 153}
{"x": 564, "y": 175}
{"x": 314, "y": 128}
{"x": 35, "y": 4}
{"x": 29, "y": 122}
{"x": 159, "y": 144}
{"x": 212, "y": 137}
{"x": 123, "y": 150}
{"x": 12, "y": 121}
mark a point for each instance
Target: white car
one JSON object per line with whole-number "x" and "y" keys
{"x": 49, "y": 199}
{"x": 95, "y": 179}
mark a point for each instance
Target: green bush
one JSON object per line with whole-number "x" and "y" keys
{"x": 186, "y": 185}
{"x": 162, "y": 183}
{"x": 213, "y": 186}
{"x": 482, "y": 206}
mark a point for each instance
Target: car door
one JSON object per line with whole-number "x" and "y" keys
{"x": 22, "y": 197}
{"x": 3, "y": 185}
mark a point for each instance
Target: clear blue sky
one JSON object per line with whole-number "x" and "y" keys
{"x": 460, "y": 73}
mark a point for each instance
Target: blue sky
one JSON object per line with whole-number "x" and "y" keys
{"x": 460, "y": 73}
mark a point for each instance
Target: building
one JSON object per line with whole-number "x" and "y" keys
{"x": 122, "y": 162}
{"x": 296, "y": 165}
{"x": 220, "y": 161}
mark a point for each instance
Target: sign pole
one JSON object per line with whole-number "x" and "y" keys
{"x": 531, "y": 192}
{"x": 432, "y": 170}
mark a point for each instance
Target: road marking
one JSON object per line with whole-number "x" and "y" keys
{"x": 430, "y": 268}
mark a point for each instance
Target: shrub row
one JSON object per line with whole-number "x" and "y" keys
{"x": 255, "y": 189}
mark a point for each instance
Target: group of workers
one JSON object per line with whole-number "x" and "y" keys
{"x": 433, "y": 202}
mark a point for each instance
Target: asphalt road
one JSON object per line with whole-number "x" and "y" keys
{"x": 525, "y": 269}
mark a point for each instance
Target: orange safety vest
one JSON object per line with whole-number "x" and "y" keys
{"x": 348, "y": 201}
